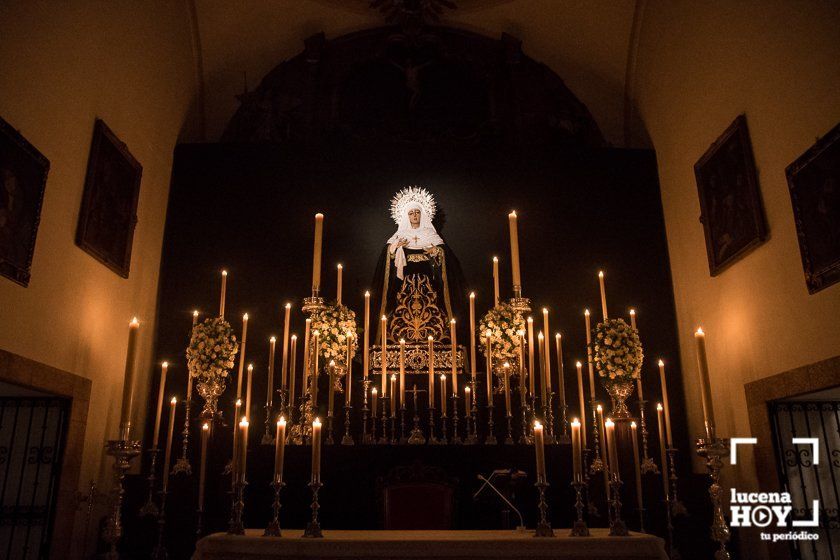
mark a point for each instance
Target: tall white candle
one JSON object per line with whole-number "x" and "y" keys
{"x": 489, "y": 360}
{"x": 662, "y": 447}
{"x": 577, "y": 466}
{"x": 222, "y": 296}
{"x": 339, "y": 270}
{"x": 313, "y": 382}
{"x": 167, "y": 457}
{"x": 431, "y": 372}
{"x": 539, "y": 448}
{"x": 348, "y": 392}
{"x": 561, "y": 370}
{"x": 514, "y": 251}
{"x": 705, "y": 386}
{"x": 473, "y": 366}
{"x": 667, "y": 409}
{"x": 128, "y": 379}
{"x": 541, "y": 351}
{"x": 590, "y": 364}
{"x": 531, "y": 372}
{"x": 495, "y": 281}
{"x": 636, "y": 465}
{"x": 547, "y": 350}
{"x": 292, "y": 372}
{"x": 612, "y": 448}
{"x": 638, "y": 379}
{"x": 202, "y": 470}
{"x": 284, "y": 369}
{"x": 164, "y": 367}
{"x": 384, "y": 363}
{"x": 316, "y": 450}
{"x": 269, "y": 391}
{"x": 454, "y": 358}
{"x": 603, "y": 293}
{"x": 248, "y": 390}
{"x": 243, "y": 447}
{"x": 443, "y": 394}
{"x": 366, "y": 345}
{"x": 579, "y": 367}
{"x": 316, "y": 253}
{"x": 304, "y": 387}
{"x": 242, "y": 346}
{"x": 402, "y": 372}
{"x": 279, "y": 449}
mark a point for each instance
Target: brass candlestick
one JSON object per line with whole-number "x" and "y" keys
{"x": 472, "y": 436}
{"x": 548, "y": 414}
{"x": 543, "y": 526}
{"x": 313, "y": 304}
{"x": 273, "y": 528}
{"x": 647, "y": 466}
{"x": 617, "y": 526}
{"x": 384, "y": 420}
{"x": 456, "y": 437}
{"x": 150, "y": 508}
{"x": 713, "y": 451}
{"x": 403, "y": 438}
{"x": 432, "y": 439}
{"x": 330, "y": 440}
{"x": 443, "y": 427}
{"x": 313, "y": 528}
{"x": 394, "y": 439}
{"x": 365, "y": 410}
{"x": 524, "y": 437}
{"x": 268, "y": 435}
{"x": 416, "y": 437}
{"x": 597, "y": 464}
{"x": 347, "y": 439}
{"x": 123, "y": 451}
{"x": 235, "y": 525}
{"x": 159, "y": 551}
{"x": 579, "y": 529}
{"x": 491, "y": 437}
{"x": 509, "y": 437}
{"x": 182, "y": 465}
{"x": 564, "y": 436}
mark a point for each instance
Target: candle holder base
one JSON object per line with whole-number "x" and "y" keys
{"x": 273, "y": 528}
{"x": 329, "y": 440}
{"x": 123, "y": 451}
{"x": 543, "y": 526}
{"x": 347, "y": 439}
{"x": 713, "y": 452}
{"x": 235, "y": 525}
{"x": 150, "y": 508}
{"x": 403, "y": 438}
{"x": 416, "y": 437}
{"x": 312, "y": 304}
{"x": 509, "y": 437}
{"x": 520, "y": 304}
{"x": 617, "y": 526}
{"x": 579, "y": 528}
{"x": 491, "y": 436}
{"x": 313, "y": 528}
{"x": 647, "y": 466}
{"x": 182, "y": 466}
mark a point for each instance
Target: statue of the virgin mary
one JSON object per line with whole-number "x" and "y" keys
{"x": 418, "y": 274}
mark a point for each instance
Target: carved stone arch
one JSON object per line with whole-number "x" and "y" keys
{"x": 433, "y": 85}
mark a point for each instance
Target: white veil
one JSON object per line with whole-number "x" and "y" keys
{"x": 421, "y": 237}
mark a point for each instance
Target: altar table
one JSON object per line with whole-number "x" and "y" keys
{"x": 462, "y": 545}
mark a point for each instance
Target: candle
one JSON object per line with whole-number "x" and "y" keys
{"x": 292, "y": 372}
{"x": 638, "y": 379}
{"x": 599, "y": 414}
{"x": 279, "y": 449}
{"x": 313, "y": 382}
{"x": 348, "y": 392}
{"x": 431, "y": 372}
{"x": 514, "y": 254}
{"x": 284, "y": 370}
{"x": 316, "y": 450}
{"x": 402, "y": 372}
{"x": 454, "y": 358}
{"x": 467, "y": 394}
{"x": 393, "y": 395}
{"x": 589, "y": 355}
{"x": 609, "y": 425}
{"x": 547, "y": 378}
{"x": 541, "y": 351}
{"x": 167, "y": 457}
{"x": 374, "y": 396}
{"x": 202, "y": 471}
{"x": 237, "y": 409}
{"x": 443, "y": 395}
{"x": 304, "y": 387}
{"x": 366, "y": 345}
{"x": 522, "y": 389}
{"x": 243, "y": 447}
{"x": 705, "y": 386}
{"x": 339, "y": 269}
{"x": 222, "y": 297}
{"x": 633, "y": 319}
{"x": 128, "y": 379}
{"x": 164, "y": 367}
{"x": 540, "y": 450}
{"x": 662, "y": 447}
{"x": 270, "y": 384}
{"x": 384, "y": 355}
{"x": 603, "y": 293}
{"x": 531, "y": 372}
{"x": 316, "y": 256}
{"x": 579, "y": 367}
{"x": 331, "y": 392}
{"x": 665, "y": 403}
{"x": 195, "y": 317}
{"x": 576, "y": 451}
{"x": 506, "y": 369}
{"x": 638, "y": 472}
{"x": 561, "y": 370}
{"x": 248, "y": 391}
{"x": 495, "y": 281}
{"x": 240, "y": 375}
{"x": 473, "y": 366}
{"x": 489, "y": 369}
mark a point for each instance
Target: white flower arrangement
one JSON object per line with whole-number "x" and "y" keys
{"x": 334, "y": 324}
{"x": 504, "y": 324}
{"x": 617, "y": 351}
{"x": 212, "y": 349}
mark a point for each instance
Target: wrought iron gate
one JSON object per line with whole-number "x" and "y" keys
{"x": 32, "y": 435}
{"x": 804, "y": 480}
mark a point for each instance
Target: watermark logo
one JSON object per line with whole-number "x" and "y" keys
{"x": 766, "y": 509}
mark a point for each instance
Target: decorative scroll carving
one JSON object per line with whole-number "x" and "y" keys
{"x": 417, "y": 359}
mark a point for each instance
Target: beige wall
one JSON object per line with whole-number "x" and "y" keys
{"x": 63, "y": 65}
{"x": 700, "y": 65}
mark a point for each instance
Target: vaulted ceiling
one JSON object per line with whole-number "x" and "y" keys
{"x": 586, "y": 42}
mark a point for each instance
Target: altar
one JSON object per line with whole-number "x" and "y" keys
{"x": 462, "y": 545}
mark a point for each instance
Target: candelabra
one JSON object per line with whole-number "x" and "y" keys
{"x": 182, "y": 465}
{"x": 617, "y": 525}
{"x": 235, "y": 526}
{"x": 123, "y": 451}
{"x": 491, "y": 437}
{"x": 543, "y": 526}
{"x": 677, "y": 507}
{"x": 150, "y": 508}
{"x": 509, "y": 437}
{"x": 365, "y": 411}
{"x": 159, "y": 552}
{"x": 432, "y": 439}
{"x": 273, "y": 528}
{"x": 597, "y": 464}
{"x": 347, "y": 439}
{"x": 416, "y": 437}
{"x": 713, "y": 451}
{"x": 403, "y": 438}
{"x": 456, "y": 437}
{"x": 268, "y": 435}
{"x": 313, "y": 528}
{"x": 579, "y": 529}
{"x": 648, "y": 466}
{"x": 384, "y": 438}
{"x": 313, "y": 304}
{"x": 564, "y": 437}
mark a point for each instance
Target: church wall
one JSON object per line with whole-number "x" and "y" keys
{"x": 700, "y": 65}
{"x": 63, "y": 65}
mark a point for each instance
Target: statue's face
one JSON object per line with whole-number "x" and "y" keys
{"x": 414, "y": 217}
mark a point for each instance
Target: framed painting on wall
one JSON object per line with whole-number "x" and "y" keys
{"x": 23, "y": 179}
{"x": 730, "y": 202}
{"x": 109, "y": 203}
{"x": 814, "y": 184}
